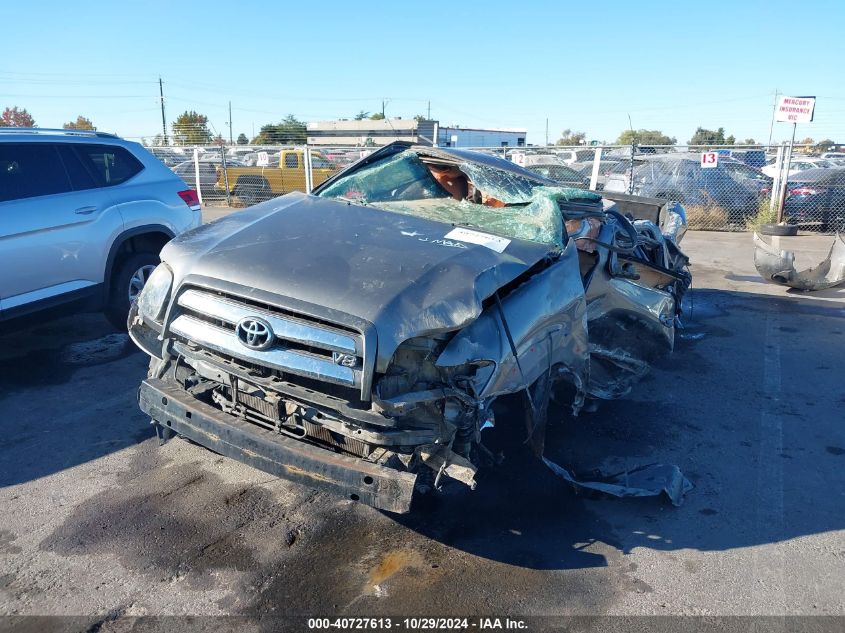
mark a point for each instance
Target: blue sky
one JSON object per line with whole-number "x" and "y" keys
{"x": 672, "y": 66}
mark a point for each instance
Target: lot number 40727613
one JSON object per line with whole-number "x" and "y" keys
{"x": 709, "y": 159}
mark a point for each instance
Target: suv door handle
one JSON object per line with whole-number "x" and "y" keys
{"x": 85, "y": 210}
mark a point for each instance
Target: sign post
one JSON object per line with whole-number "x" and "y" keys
{"x": 793, "y": 110}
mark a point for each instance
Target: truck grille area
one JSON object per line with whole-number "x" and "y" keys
{"x": 271, "y": 415}
{"x": 303, "y": 348}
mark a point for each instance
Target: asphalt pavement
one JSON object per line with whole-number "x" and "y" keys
{"x": 97, "y": 519}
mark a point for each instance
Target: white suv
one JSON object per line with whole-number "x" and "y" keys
{"x": 83, "y": 217}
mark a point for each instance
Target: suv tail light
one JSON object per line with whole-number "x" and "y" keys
{"x": 190, "y": 197}
{"x": 806, "y": 191}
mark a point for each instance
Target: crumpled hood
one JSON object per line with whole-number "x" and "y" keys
{"x": 397, "y": 272}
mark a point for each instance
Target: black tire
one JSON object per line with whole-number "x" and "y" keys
{"x": 252, "y": 190}
{"x": 777, "y": 229}
{"x": 126, "y": 281}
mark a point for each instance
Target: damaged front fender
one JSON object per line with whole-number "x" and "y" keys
{"x": 547, "y": 322}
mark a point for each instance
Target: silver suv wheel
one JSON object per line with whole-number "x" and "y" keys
{"x": 138, "y": 280}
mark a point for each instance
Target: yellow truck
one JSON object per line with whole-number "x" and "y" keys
{"x": 285, "y": 172}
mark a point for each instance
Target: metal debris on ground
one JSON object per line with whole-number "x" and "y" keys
{"x": 651, "y": 480}
{"x": 777, "y": 266}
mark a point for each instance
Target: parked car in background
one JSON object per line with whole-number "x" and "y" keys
{"x": 751, "y": 176}
{"x": 680, "y": 177}
{"x": 815, "y": 199}
{"x": 750, "y": 157}
{"x": 561, "y": 174}
{"x": 252, "y": 159}
{"x": 574, "y": 155}
{"x": 833, "y": 155}
{"x": 209, "y": 167}
{"x": 207, "y": 175}
{"x": 799, "y": 164}
{"x": 552, "y": 167}
{"x": 84, "y": 217}
{"x": 605, "y": 168}
{"x": 239, "y": 152}
{"x": 171, "y": 156}
{"x": 256, "y": 184}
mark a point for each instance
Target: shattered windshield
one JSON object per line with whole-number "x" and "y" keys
{"x": 461, "y": 193}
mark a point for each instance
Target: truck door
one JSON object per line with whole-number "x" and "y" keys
{"x": 293, "y": 172}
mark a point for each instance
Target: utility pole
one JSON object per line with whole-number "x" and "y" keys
{"x": 429, "y": 111}
{"x": 633, "y": 149}
{"x": 772, "y": 122}
{"x": 382, "y": 108}
{"x": 231, "y": 142}
{"x": 163, "y": 119}
{"x": 547, "y": 131}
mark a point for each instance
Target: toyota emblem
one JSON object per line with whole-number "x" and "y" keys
{"x": 254, "y": 333}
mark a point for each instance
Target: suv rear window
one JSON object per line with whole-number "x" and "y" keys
{"x": 109, "y": 165}
{"x": 31, "y": 169}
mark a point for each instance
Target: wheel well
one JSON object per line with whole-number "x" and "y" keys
{"x": 252, "y": 181}
{"x": 144, "y": 243}
{"x": 147, "y": 241}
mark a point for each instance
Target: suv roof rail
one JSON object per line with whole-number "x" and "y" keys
{"x": 46, "y": 130}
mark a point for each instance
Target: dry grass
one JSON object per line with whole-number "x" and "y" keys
{"x": 706, "y": 217}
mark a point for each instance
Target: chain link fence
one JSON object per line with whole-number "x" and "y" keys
{"x": 723, "y": 188}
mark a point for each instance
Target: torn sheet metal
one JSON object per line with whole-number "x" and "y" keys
{"x": 778, "y": 266}
{"x": 651, "y": 480}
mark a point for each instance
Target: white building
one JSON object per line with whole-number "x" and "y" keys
{"x": 369, "y": 132}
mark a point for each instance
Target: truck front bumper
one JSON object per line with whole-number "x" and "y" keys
{"x": 350, "y": 477}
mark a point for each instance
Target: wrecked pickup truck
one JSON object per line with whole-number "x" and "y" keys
{"x": 358, "y": 339}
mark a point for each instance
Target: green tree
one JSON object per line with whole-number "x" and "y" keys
{"x": 376, "y": 116}
{"x": 730, "y": 140}
{"x": 420, "y": 117}
{"x": 191, "y": 128}
{"x": 825, "y": 145}
{"x": 361, "y": 115}
{"x": 291, "y": 131}
{"x": 242, "y": 139}
{"x": 749, "y": 141}
{"x": 568, "y": 137}
{"x": 16, "y": 117}
{"x": 645, "y": 137}
{"x": 703, "y": 136}
{"x": 81, "y": 123}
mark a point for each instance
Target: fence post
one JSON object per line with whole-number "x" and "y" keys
{"x": 594, "y": 177}
{"x": 197, "y": 173}
{"x": 784, "y": 180}
{"x": 309, "y": 177}
{"x": 226, "y": 177}
{"x": 776, "y": 180}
